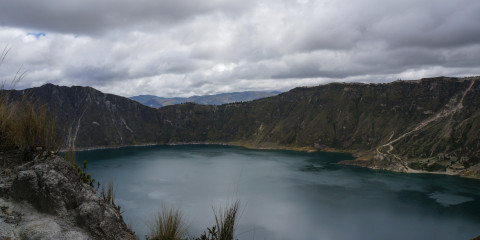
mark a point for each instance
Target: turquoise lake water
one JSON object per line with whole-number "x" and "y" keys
{"x": 286, "y": 194}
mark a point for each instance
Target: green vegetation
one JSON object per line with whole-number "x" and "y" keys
{"x": 434, "y": 167}
{"x": 417, "y": 165}
{"x": 70, "y": 156}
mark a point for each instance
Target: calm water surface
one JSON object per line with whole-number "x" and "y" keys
{"x": 285, "y": 194}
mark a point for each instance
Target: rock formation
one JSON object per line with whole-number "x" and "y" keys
{"x": 46, "y": 199}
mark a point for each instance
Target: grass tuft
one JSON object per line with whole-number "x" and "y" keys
{"x": 226, "y": 221}
{"x": 169, "y": 224}
{"x": 108, "y": 194}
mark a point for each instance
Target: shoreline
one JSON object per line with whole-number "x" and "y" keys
{"x": 359, "y": 156}
{"x": 233, "y": 144}
{"x": 362, "y": 163}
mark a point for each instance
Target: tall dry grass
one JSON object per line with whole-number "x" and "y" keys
{"x": 25, "y": 125}
{"x": 108, "y": 194}
{"x": 169, "y": 224}
{"x": 226, "y": 221}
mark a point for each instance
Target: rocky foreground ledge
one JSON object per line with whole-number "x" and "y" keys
{"x": 45, "y": 199}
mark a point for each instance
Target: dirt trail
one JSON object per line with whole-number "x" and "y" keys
{"x": 449, "y": 110}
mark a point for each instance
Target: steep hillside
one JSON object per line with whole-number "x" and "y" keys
{"x": 90, "y": 118}
{"x": 428, "y": 125}
{"x": 425, "y": 125}
{"x": 217, "y": 99}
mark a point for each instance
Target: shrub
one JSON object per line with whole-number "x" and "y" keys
{"x": 417, "y": 165}
{"x": 435, "y": 167}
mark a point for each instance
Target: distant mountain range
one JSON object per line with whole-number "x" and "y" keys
{"x": 428, "y": 125}
{"x": 217, "y": 99}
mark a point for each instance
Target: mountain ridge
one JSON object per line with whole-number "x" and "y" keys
{"x": 363, "y": 119}
{"x": 215, "y": 99}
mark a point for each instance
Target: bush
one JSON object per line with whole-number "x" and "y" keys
{"x": 417, "y": 165}
{"x": 435, "y": 167}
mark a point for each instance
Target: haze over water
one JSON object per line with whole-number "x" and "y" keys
{"x": 285, "y": 194}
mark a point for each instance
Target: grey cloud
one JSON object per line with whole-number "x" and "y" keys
{"x": 454, "y": 25}
{"x": 194, "y": 47}
{"x": 94, "y": 74}
{"x": 177, "y": 63}
{"x": 94, "y": 17}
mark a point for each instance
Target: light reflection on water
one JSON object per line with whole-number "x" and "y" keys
{"x": 287, "y": 195}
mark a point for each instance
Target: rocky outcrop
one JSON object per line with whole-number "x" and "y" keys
{"x": 20, "y": 220}
{"x": 49, "y": 201}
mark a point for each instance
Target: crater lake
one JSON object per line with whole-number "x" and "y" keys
{"x": 285, "y": 194}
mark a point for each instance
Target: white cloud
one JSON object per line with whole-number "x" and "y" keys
{"x": 184, "y": 48}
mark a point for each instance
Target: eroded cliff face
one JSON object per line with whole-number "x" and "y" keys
{"x": 430, "y": 125}
{"x": 45, "y": 199}
{"x": 425, "y": 125}
{"x": 88, "y": 118}
{"x": 445, "y": 140}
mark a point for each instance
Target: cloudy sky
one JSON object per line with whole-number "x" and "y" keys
{"x": 185, "y": 47}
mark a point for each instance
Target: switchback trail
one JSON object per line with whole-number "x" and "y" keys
{"x": 449, "y": 110}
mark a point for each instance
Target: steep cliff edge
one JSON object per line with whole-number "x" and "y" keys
{"x": 428, "y": 125}
{"x": 45, "y": 199}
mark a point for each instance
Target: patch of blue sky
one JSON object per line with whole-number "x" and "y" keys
{"x": 37, "y": 35}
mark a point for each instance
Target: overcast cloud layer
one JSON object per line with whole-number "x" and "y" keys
{"x": 184, "y": 48}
